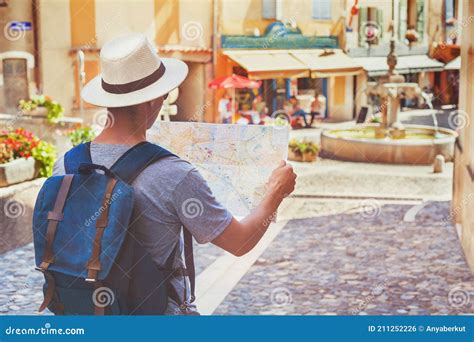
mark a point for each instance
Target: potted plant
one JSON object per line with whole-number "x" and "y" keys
{"x": 24, "y": 156}
{"x": 304, "y": 151}
{"x": 42, "y": 105}
{"x": 81, "y": 135}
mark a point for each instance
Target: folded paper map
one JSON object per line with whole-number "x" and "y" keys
{"x": 236, "y": 160}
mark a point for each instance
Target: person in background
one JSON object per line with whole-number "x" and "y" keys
{"x": 315, "y": 109}
{"x": 298, "y": 111}
{"x": 259, "y": 105}
{"x": 225, "y": 109}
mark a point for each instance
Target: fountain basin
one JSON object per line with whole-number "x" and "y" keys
{"x": 420, "y": 147}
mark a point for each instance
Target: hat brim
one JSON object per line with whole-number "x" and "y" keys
{"x": 176, "y": 72}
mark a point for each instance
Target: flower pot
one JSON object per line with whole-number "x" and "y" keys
{"x": 38, "y": 111}
{"x": 309, "y": 157}
{"x": 17, "y": 171}
{"x": 294, "y": 156}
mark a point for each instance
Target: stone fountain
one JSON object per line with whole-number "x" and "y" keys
{"x": 390, "y": 141}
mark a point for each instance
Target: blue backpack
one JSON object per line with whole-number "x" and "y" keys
{"x": 85, "y": 243}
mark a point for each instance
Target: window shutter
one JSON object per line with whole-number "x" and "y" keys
{"x": 362, "y": 22}
{"x": 420, "y": 13}
{"x": 403, "y": 19}
{"x": 321, "y": 9}
{"x": 380, "y": 23}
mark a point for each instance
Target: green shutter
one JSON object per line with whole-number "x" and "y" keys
{"x": 403, "y": 19}
{"x": 420, "y": 14}
{"x": 380, "y": 23}
{"x": 362, "y": 22}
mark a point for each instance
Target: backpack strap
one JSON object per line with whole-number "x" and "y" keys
{"x": 54, "y": 217}
{"x": 137, "y": 159}
{"x": 76, "y": 156}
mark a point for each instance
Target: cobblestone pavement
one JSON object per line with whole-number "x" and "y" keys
{"x": 20, "y": 284}
{"x": 361, "y": 259}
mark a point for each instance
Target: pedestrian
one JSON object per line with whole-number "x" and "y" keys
{"x": 225, "y": 109}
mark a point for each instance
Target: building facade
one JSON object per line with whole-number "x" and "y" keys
{"x": 462, "y": 210}
{"x": 199, "y": 32}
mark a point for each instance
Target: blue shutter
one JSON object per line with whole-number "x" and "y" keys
{"x": 269, "y": 8}
{"x": 321, "y": 9}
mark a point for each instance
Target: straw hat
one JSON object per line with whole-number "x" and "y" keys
{"x": 132, "y": 73}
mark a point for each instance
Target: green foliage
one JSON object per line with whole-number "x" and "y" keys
{"x": 376, "y": 119}
{"x": 81, "y": 135}
{"x": 45, "y": 153}
{"x": 302, "y": 147}
{"x": 54, "y": 110}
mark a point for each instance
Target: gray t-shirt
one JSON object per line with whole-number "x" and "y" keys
{"x": 169, "y": 193}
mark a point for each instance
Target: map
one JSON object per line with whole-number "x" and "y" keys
{"x": 235, "y": 160}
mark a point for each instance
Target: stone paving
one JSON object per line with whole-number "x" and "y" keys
{"x": 20, "y": 284}
{"x": 358, "y": 259}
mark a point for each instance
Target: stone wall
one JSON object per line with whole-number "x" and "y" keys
{"x": 17, "y": 204}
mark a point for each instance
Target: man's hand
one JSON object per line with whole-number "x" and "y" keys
{"x": 241, "y": 236}
{"x": 282, "y": 181}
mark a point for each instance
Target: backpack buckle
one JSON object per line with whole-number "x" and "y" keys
{"x": 184, "y": 306}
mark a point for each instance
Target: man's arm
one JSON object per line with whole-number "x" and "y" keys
{"x": 241, "y": 236}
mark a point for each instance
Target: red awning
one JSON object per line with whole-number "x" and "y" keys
{"x": 234, "y": 81}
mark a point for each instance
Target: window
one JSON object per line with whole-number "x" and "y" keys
{"x": 412, "y": 16}
{"x": 271, "y": 9}
{"x": 322, "y": 9}
{"x": 370, "y": 21}
{"x": 451, "y": 14}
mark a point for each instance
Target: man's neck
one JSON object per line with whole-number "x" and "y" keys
{"x": 121, "y": 135}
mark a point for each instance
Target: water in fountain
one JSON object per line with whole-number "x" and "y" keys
{"x": 429, "y": 101}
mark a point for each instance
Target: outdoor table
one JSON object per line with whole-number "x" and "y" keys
{"x": 252, "y": 115}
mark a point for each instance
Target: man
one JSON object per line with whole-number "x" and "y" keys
{"x": 133, "y": 85}
{"x": 298, "y": 111}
